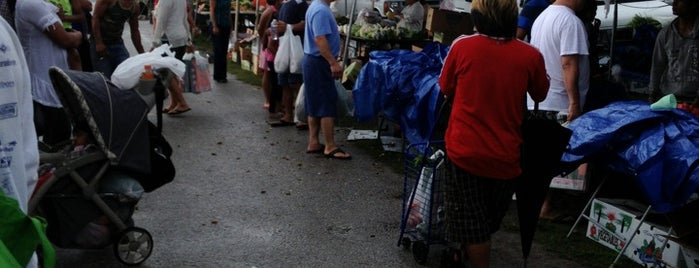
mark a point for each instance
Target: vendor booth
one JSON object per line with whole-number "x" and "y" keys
{"x": 658, "y": 149}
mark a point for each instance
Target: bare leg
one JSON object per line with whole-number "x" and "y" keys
{"x": 288, "y": 103}
{"x": 266, "y": 88}
{"x": 479, "y": 254}
{"x": 313, "y": 128}
{"x": 176, "y": 95}
{"x": 327, "y": 125}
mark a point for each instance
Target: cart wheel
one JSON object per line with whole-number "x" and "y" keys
{"x": 406, "y": 243}
{"x": 420, "y": 252}
{"x": 133, "y": 246}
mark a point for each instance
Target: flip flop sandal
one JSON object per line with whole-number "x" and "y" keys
{"x": 333, "y": 153}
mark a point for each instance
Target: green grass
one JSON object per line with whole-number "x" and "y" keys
{"x": 552, "y": 236}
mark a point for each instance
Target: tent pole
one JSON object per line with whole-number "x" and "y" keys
{"x": 235, "y": 23}
{"x": 613, "y": 37}
{"x": 348, "y": 35}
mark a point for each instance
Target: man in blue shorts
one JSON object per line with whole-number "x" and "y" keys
{"x": 320, "y": 68}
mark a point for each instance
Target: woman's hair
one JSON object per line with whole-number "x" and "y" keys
{"x": 271, "y": 2}
{"x": 496, "y": 18}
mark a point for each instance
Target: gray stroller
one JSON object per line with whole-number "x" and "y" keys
{"x": 88, "y": 196}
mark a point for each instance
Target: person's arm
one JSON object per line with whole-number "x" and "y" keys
{"x": 77, "y": 12}
{"x": 192, "y": 25}
{"x": 135, "y": 32}
{"x": 521, "y": 33}
{"x": 212, "y": 16}
{"x": 64, "y": 39}
{"x": 263, "y": 26}
{"x": 100, "y": 9}
{"x": 159, "y": 23}
{"x": 448, "y": 75}
{"x": 571, "y": 74}
{"x": 324, "y": 49}
{"x": 658, "y": 67}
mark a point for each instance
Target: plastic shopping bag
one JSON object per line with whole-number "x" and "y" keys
{"x": 126, "y": 75}
{"x": 203, "y": 77}
{"x": 189, "y": 79}
{"x": 295, "y": 54}
{"x": 345, "y": 103}
{"x": 300, "y": 110}
{"x": 283, "y": 56}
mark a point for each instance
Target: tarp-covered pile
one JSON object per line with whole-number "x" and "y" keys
{"x": 659, "y": 147}
{"x": 403, "y": 85}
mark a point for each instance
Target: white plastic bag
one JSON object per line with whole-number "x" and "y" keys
{"x": 203, "y": 76}
{"x": 300, "y": 110}
{"x": 345, "y": 104}
{"x": 126, "y": 75}
{"x": 282, "y": 58}
{"x": 295, "y": 55}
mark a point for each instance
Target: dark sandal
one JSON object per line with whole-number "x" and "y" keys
{"x": 282, "y": 123}
{"x": 333, "y": 153}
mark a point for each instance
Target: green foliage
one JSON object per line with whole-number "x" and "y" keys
{"x": 638, "y": 21}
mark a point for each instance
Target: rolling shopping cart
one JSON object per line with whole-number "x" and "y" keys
{"x": 422, "y": 222}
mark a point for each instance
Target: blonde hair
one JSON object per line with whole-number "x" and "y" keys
{"x": 495, "y": 17}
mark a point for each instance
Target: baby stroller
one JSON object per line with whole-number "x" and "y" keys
{"x": 89, "y": 195}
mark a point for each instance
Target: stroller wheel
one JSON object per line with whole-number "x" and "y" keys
{"x": 420, "y": 252}
{"x": 133, "y": 246}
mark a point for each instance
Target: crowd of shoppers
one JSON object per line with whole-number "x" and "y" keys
{"x": 491, "y": 78}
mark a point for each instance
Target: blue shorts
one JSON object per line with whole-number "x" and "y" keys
{"x": 285, "y": 79}
{"x": 320, "y": 95}
{"x": 116, "y": 54}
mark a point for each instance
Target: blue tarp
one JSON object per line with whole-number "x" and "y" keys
{"x": 660, "y": 148}
{"x": 403, "y": 85}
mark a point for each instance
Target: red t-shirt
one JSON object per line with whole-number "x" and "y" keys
{"x": 487, "y": 79}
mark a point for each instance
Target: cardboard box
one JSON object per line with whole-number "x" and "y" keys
{"x": 446, "y": 21}
{"x": 245, "y": 54}
{"x": 576, "y": 180}
{"x": 444, "y": 38}
{"x": 255, "y": 67}
{"x": 612, "y": 223}
{"x": 691, "y": 256}
{"x": 684, "y": 220}
{"x": 233, "y": 55}
{"x": 245, "y": 65}
{"x": 455, "y": 5}
{"x": 351, "y": 72}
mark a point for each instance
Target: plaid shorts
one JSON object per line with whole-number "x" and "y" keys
{"x": 475, "y": 206}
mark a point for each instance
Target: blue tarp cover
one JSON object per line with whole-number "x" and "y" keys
{"x": 660, "y": 148}
{"x": 403, "y": 85}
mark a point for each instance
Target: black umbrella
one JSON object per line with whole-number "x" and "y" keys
{"x": 544, "y": 143}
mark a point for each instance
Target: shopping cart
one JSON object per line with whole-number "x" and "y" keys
{"x": 423, "y": 221}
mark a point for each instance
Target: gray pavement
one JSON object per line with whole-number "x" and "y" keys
{"x": 247, "y": 195}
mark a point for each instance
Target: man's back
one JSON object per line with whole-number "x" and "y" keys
{"x": 558, "y": 32}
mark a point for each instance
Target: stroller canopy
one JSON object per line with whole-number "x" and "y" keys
{"x": 117, "y": 118}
